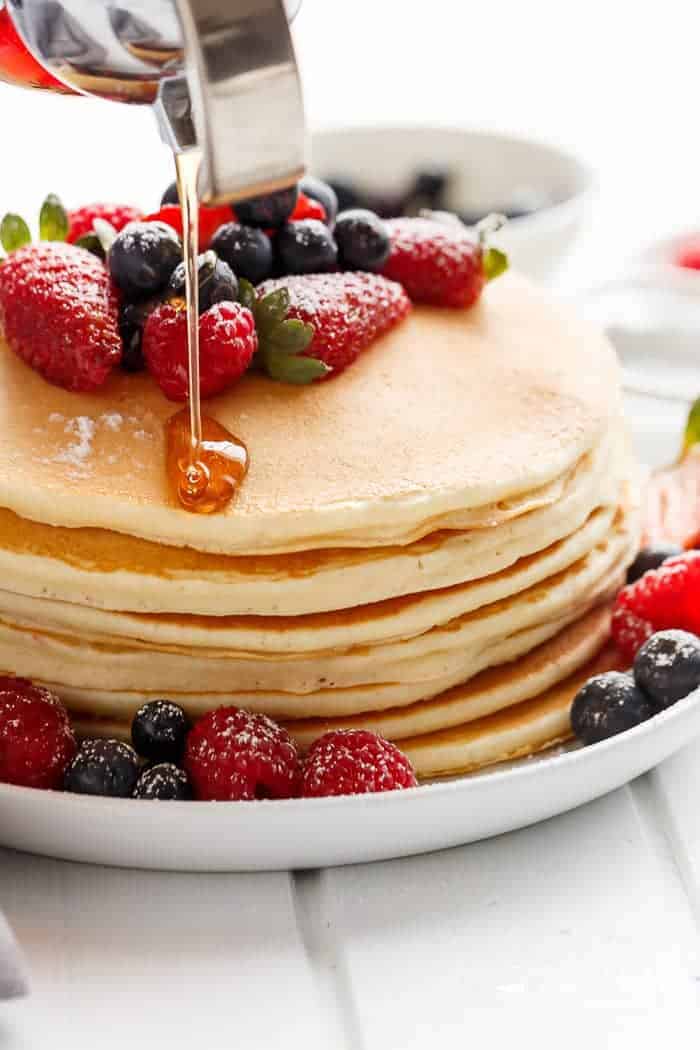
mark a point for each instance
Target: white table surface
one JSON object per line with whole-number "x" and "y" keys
{"x": 581, "y": 932}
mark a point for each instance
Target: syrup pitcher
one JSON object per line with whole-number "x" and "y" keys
{"x": 221, "y": 75}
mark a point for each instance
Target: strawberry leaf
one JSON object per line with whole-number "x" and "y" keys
{"x": 271, "y": 310}
{"x": 14, "y": 232}
{"x": 246, "y": 294}
{"x": 495, "y": 262}
{"x": 287, "y": 368}
{"x": 692, "y": 428}
{"x": 53, "y": 220}
{"x": 290, "y": 337}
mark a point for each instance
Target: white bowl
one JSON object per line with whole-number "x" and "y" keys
{"x": 489, "y": 170}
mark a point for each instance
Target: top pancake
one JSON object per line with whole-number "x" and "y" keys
{"x": 438, "y": 423}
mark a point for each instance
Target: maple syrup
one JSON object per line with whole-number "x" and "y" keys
{"x": 205, "y": 462}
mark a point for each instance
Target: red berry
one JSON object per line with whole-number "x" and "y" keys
{"x": 117, "y": 215}
{"x": 210, "y": 219}
{"x": 227, "y": 342}
{"x": 235, "y": 755}
{"x": 689, "y": 255}
{"x": 36, "y": 740}
{"x": 347, "y": 311}
{"x": 307, "y": 208}
{"x": 354, "y": 762}
{"x": 435, "y": 262}
{"x": 58, "y": 311}
{"x": 663, "y": 598}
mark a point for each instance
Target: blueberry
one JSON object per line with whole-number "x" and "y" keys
{"x": 159, "y": 730}
{"x": 326, "y": 196}
{"x": 143, "y": 257}
{"x": 132, "y": 318}
{"x": 306, "y": 247}
{"x": 430, "y": 187}
{"x": 103, "y": 767}
{"x": 171, "y": 196}
{"x": 165, "y": 782}
{"x": 608, "y": 704}
{"x": 217, "y": 281}
{"x": 363, "y": 240}
{"x": 347, "y": 193}
{"x": 650, "y": 558}
{"x": 271, "y": 210}
{"x": 667, "y": 667}
{"x": 247, "y": 251}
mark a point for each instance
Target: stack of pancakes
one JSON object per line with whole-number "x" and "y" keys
{"x": 425, "y": 546}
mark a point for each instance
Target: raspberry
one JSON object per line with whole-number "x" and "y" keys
{"x": 36, "y": 740}
{"x": 307, "y": 208}
{"x": 235, "y": 755}
{"x": 58, "y": 310}
{"x": 354, "y": 762}
{"x": 667, "y": 597}
{"x": 436, "y": 263}
{"x": 117, "y": 215}
{"x": 227, "y": 342}
{"x": 347, "y": 311}
{"x": 210, "y": 219}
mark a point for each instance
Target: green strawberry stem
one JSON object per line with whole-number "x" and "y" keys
{"x": 282, "y": 340}
{"x": 495, "y": 262}
{"x": 14, "y": 232}
{"x": 53, "y": 220}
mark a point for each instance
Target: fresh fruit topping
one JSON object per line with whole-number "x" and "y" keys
{"x": 14, "y": 232}
{"x": 58, "y": 311}
{"x": 667, "y": 597}
{"x": 316, "y": 190}
{"x": 247, "y": 251}
{"x": 307, "y": 208}
{"x": 347, "y": 193}
{"x": 159, "y": 730}
{"x": 234, "y": 755}
{"x": 306, "y": 247}
{"x": 363, "y": 240}
{"x": 164, "y": 783}
{"x": 210, "y": 219}
{"x": 688, "y": 255}
{"x": 354, "y": 762}
{"x": 268, "y": 211}
{"x": 429, "y": 189}
{"x": 217, "y": 282}
{"x": 672, "y": 504}
{"x": 651, "y": 558}
{"x": 81, "y": 221}
{"x": 54, "y": 223}
{"x": 143, "y": 257}
{"x": 171, "y": 196}
{"x": 103, "y": 767}
{"x": 281, "y": 340}
{"x": 608, "y": 704}
{"x": 667, "y": 667}
{"x": 132, "y": 318}
{"x": 346, "y": 311}
{"x": 36, "y": 740}
{"x": 439, "y": 263}
{"x": 227, "y": 342}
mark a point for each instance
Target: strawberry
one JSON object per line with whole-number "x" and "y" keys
{"x": 58, "y": 311}
{"x": 342, "y": 313}
{"x": 307, "y": 208}
{"x": 81, "y": 220}
{"x": 227, "y": 342}
{"x": 440, "y": 262}
{"x": 210, "y": 219}
{"x": 667, "y": 597}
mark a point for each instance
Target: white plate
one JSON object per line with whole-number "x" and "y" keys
{"x": 488, "y": 170}
{"x": 253, "y": 836}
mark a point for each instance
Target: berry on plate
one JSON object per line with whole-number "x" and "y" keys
{"x": 227, "y": 342}
{"x": 667, "y": 597}
{"x": 268, "y": 211}
{"x": 132, "y": 318}
{"x": 36, "y": 740}
{"x": 651, "y": 557}
{"x": 217, "y": 282}
{"x": 81, "y": 221}
{"x": 234, "y": 755}
{"x": 354, "y": 762}
{"x": 143, "y": 257}
{"x": 159, "y": 730}
{"x": 317, "y": 190}
{"x": 667, "y": 667}
{"x": 306, "y": 246}
{"x": 441, "y": 263}
{"x": 308, "y": 208}
{"x": 58, "y": 311}
{"x": 345, "y": 312}
{"x": 609, "y": 704}
{"x": 363, "y": 240}
{"x": 165, "y": 782}
{"x": 210, "y": 219}
{"x": 103, "y": 767}
{"x": 247, "y": 250}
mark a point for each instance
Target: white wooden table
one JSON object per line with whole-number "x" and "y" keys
{"x": 581, "y": 932}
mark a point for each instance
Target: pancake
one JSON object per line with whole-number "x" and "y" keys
{"x": 450, "y": 413}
